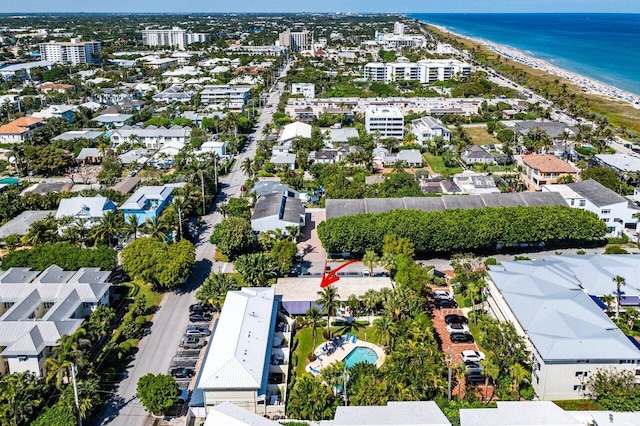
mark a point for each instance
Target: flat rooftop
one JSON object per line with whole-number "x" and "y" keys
{"x": 306, "y": 289}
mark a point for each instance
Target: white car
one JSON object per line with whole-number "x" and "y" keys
{"x": 457, "y": 328}
{"x": 474, "y": 356}
{"x": 441, "y": 294}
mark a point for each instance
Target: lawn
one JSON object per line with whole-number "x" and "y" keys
{"x": 304, "y": 338}
{"x": 479, "y": 136}
{"x": 438, "y": 167}
{"x": 138, "y": 287}
{"x": 578, "y": 405}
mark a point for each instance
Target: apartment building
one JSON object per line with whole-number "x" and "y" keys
{"x": 425, "y": 71}
{"x": 428, "y": 128}
{"x": 387, "y": 121}
{"x": 568, "y": 334}
{"x": 296, "y": 41}
{"x": 172, "y": 37}
{"x": 225, "y": 96}
{"x": 308, "y": 90}
{"x": 74, "y": 52}
{"x": 38, "y": 308}
{"x": 151, "y": 137}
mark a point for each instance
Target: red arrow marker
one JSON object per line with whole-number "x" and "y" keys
{"x": 331, "y": 277}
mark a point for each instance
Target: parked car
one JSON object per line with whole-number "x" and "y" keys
{"x": 461, "y": 338}
{"x": 183, "y": 396}
{"x": 446, "y": 303}
{"x": 473, "y": 367}
{"x": 200, "y": 317}
{"x": 199, "y": 307}
{"x": 455, "y": 319}
{"x": 441, "y": 294}
{"x": 457, "y": 328}
{"x": 475, "y": 378}
{"x": 194, "y": 330}
{"x": 193, "y": 342}
{"x": 182, "y": 372}
{"x": 475, "y": 356}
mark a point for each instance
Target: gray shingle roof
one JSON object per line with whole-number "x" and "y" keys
{"x": 597, "y": 193}
{"x": 277, "y": 204}
{"x": 347, "y": 207}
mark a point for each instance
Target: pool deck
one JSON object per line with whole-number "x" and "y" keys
{"x": 340, "y": 354}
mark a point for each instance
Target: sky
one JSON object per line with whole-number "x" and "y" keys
{"x": 283, "y": 6}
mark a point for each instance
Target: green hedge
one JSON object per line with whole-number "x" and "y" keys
{"x": 461, "y": 230}
{"x": 67, "y": 256}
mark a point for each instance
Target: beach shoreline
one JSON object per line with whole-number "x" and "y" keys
{"x": 589, "y": 85}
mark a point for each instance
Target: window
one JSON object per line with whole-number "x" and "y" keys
{"x": 48, "y": 305}
{"x": 583, "y": 203}
{"x": 572, "y": 201}
{"x": 87, "y": 305}
{"x": 605, "y": 211}
{"x": 637, "y": 372}
{"x": 578, "y": 387}
{"x": 8, "y": 305}
{"x": 581, "y": 373}
{"x": 22, "y": 358}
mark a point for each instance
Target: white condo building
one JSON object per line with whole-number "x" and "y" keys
{"x": 388, "y": 121}
{"x": 425, "y": 71}
{"x": 71, "y": 53}
{"x": 568, "y": 334}
{"x": 428, "y": 128}
{"x": 174, "y": 37}
{"x": 228, "y": 97}
{"x": 308, "y": 90}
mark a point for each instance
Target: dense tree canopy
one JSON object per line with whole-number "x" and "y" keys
{"x": 157, "y": 393}
{"x": 161, "y": 264}
{"x": 233, "y": 236}
{"x": 461, "y": 230}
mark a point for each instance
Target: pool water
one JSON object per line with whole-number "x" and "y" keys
{"x": 361, "y": 354}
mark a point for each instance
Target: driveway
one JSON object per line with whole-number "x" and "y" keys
{"x": 309, "y": 244}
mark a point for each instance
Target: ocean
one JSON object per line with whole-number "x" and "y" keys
{"x": 604, "y": 47}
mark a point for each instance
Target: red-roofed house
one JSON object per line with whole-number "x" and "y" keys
{"x": 18, "y": 130}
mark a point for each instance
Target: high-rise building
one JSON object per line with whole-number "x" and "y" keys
{"x": 296, "y": 41}
{"x": 174, "y": 37}
{"x": 398, "y": 28}
{"x": 387, "y": 121}
{"x": 72, "y": 53}
{"x": 424, "y": 71}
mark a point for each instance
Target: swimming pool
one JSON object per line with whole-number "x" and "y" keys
{"x": 361, "y": 354}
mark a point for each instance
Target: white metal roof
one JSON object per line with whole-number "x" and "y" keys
{"x": 229, "y": 414}
{"x": 239, "y": 348}
{"x": 306, "y": 289}
{"x": 519, "y": 413}
{"x": 293, "y": 130}
{"x": 559, "y": 317}
{"x": 401, "y": 413}
{"x": 86, "y": 207}
{"x": 138, "y": 199}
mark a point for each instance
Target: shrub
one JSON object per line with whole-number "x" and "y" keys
{"x": 66, "y": 255}
{"x": 581, "y": 252}
{"x": 516, "y": 258}
{"x": 623, "y": 239}
{"x": 614, "y": 249}
{"x": 461, "y": 230}
{"x": 490, "y": 261}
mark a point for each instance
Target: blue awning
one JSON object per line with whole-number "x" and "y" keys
{"x": 598, "y": 302}
{"x": 629, "y": 300}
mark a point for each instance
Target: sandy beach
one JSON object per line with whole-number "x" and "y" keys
{"x": 588, "y": 85}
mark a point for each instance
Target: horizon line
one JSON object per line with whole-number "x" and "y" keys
{"x": 310, "y": 13}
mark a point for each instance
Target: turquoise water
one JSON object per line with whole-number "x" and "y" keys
{"x": 361, "y": 354}
{"x": 602, "y": 46}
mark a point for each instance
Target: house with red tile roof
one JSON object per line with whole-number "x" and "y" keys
{"x": 18, "y": 130}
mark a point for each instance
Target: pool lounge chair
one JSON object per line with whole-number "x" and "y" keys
{"x": 346, "y": 336}
{"x": 314, "y": 370}
{"x": 354, "y": 339}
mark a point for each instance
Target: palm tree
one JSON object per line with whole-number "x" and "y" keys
{"x": 156, "y": 227}
{"x": 179, "y": 207}
{"x": 328, "y": 299}
{"x": 370, "y": 300}
{"x": 223, "y": 209}
{"x": 518, "y": 373}
{"x": 214, "y": 289}
{"x": 386, "y": 329}
{"x": 69, "y": 351}
{"x": 608, "y": 299}
{"x": 312, "y": 318}
{"x": 620, "y": 282}
{"x": 247, "y": 167}
{"x": 21, "y": 395}
{"x": 490, "y": 370}
{"x": 132, "y": 227}
{"x": 256, "y": 269}
{"x": 109, "y": 226}
{"x": 41, "y": 231}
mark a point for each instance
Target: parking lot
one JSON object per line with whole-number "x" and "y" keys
{"x": 453, "y": 350}
{"x": 190, "y": 358}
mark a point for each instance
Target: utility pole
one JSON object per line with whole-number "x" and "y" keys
{"x": 74, "y": 369}
{"x": 204, "y": 204}
{"x": 215, "y": 171}
{"x": 345, "y": 377}
{"x": 449, "y": 375}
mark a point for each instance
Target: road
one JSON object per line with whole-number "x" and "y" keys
{"x": 157, "y": 349}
